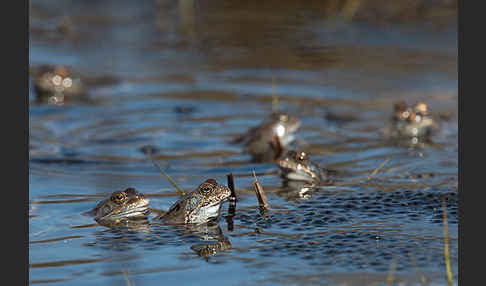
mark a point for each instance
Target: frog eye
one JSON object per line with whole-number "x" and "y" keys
{"x": 302, "y": 156}
{"x": 412, "y": 117}
{"x": 421, "y": 108}
{"x": 206, "y": 189}
{"x": 118, "y": 197}
{"x": 405, "y": 114}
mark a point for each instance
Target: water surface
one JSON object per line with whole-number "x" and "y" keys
{"x": 221, "y": 63}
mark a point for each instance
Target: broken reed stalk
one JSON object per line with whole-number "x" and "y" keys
{"x": 274, "y": 96}
{"x": 446, "y": 245}
{"x": 262, "y": 199}
{"x": 164, "y": 174}
{"x": 378, "y": 169}
{"x": 232, "y": 199}
{"x": 229, "y": 222}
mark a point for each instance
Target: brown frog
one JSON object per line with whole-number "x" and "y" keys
{"x": 298, "y": 166}
{"x": 57, "y": 84}
{"x": 199, "y": 206}
{"x": 121, "y": 205}
{"x": 267, "y": 141}
{"x": 412, "y": 121}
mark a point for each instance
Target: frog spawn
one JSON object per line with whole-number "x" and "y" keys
{"x": 355, "y": 231}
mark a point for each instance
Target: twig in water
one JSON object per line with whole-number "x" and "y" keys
{"x": 262, "y": 199}
{"x": 156, "y": 164}
{"x": 232, "y": 199}
{"x": 378, "y": 169}
{"x": 229, "y": 222}
{"x": 446, "y": 245}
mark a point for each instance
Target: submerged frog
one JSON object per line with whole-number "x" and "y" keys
{"x": 199, "y": 206}
{"x": 57, "y": 84}
{"x": 298, "y": 166}
{"x": 267, "y": 140}
{"x": 121, "y": 205}
{"x": 415, "y": 121}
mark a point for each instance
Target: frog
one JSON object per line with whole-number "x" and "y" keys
{"x": 297, "y": 166}
{"x": 57, "y": 84}
{"x": 212, "y": 239}
{"x": 199, "y": 206}
{"x": 412, "y": 121}
{"x": 271, "y": 137}
{"x": 120, "y": 206}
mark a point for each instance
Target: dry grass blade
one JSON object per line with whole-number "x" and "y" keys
{"x": 422, "y": 277}
{"x": 446, "y": 245}
{"x": 262, "y": 199}
{"x": 274, "y": 96}
{"x": 127, "y": 280}
{"x": 165, "y": 175}
{"x": 350, "y": 8}
{"x": 391, "y": 273}
{"x": 378, "y": 169}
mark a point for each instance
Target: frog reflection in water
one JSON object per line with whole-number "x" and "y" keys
{"x": 120, "y": 206}
{"x": 266, "y": 141}
{"x": 57, "y": 84}
{"x": 413, "y": 121}
{"x": 199, "y": 206}
{"x": 212, "y": 239}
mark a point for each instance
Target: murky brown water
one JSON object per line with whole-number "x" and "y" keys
{"x": 216, "y": 61}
